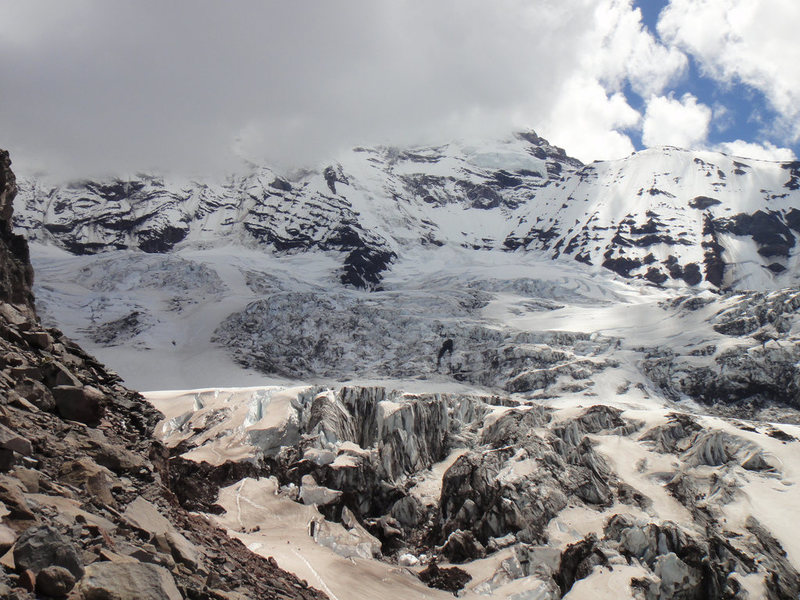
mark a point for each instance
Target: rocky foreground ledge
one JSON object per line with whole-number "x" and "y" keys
{"x": 86, "y": 507}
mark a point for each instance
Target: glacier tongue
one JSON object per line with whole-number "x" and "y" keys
{"x": 519, "y": 495}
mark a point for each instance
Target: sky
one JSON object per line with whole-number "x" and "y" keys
{"x": 100, "y": 87}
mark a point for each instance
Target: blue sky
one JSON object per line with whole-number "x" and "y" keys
{"x": 740, "y": 111}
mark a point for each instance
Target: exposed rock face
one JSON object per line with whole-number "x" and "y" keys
{"x": 16, "y": 273}
{"x": 752, "y": 371}
{"x": 84, "y": 486}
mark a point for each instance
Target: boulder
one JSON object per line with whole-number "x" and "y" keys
{"x": 145, "y": 516}
{"x": 11, "y": 314}
{"x": 150, "y": 554}
{"x": 7, "y": 538}
{"x": 43, "y": 546}
{"x": 182, "y": 550}
{"x": 40, "y": 340}
{"x": 36, "y": 393}
{"x": 85, "y": 472}
{"x": 75, "y": 404}
{"x": 25, "y": 370}
{"x": 78, "y": 472}
{"x": 54, "y": 581}
{"x": 115, "y": 456}
{"x": 127, "y": 581}
{"x": 11, "y": 440}
{"x": 99, "y": 487}
{"x": 11, "y": 494}
{"x": 8, "y": 458}
{"x": 55, "y": 374}
{"x": 31, "y": 479}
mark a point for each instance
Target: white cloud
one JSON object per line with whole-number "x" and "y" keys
{"x": 764, "y": 151}
{"x": 586, "y": 120}
{"x": 624, "y": 49}
{"x": 192, "y": 85}
{"x": 189, "y": 86}
{"x": 591, "y": 113}
{"x": 754, "y": 41}
{"x": 185, "y": 85}
{"x": 722, "y": 119}
{"x": 670, "y": 122}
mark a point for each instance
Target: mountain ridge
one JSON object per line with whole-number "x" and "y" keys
{"x": 667, "y": 216}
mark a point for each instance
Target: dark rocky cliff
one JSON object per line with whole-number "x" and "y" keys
{"x": 87, "y": 507}
{"x": 16, "y": 273}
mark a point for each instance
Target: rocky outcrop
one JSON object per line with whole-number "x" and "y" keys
{"x": 450, "y": 579}
{"x": 16, "y": 273}
{"x": 752, "y": 370}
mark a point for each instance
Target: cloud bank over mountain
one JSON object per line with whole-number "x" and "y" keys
{"x": 93, "y": 87}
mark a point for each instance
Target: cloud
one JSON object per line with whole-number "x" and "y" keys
{"x": 624, "y": 50}
{"x": 670, "y": 122}
{"x": 592, "y": 114}
{"x": 752, "y": 41}
{"x": 139, "y": 85}
{"x": 95, "y": 87}
{"x": 722, "y": 119}
{"x": 764, "y": 151}
{"x": 587, "y": 121}
{"x": 195, "y": 86}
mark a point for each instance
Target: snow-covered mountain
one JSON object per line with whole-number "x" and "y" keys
{"x": 545, "y": 273}
{"x": 613, "y": 418}
{"x": 667, "y": 216}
